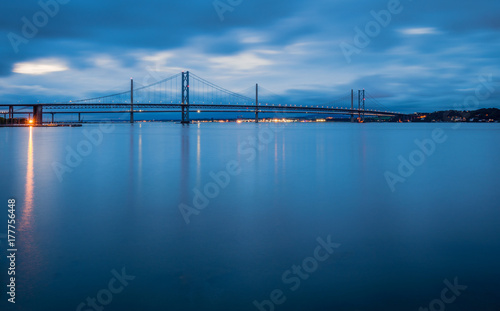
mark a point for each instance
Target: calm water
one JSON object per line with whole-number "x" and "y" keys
{"x": 118, "y": 207}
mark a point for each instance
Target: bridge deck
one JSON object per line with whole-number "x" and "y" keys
{"x": 204, "y": 108}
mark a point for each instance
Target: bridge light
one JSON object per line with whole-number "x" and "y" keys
{"x": 199, "y": 111}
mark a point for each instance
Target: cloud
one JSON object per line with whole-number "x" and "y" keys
{"x": 40, "y": 67}
{"x": 290, "y": 47}
{"x": 419, "y": 31}
{"x": 242, "y": 61}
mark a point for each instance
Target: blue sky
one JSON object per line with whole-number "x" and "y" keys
{"x": 423, "y": 55}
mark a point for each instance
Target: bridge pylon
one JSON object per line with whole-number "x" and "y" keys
{"x": 185, "y": 98}
{"x": 361, "y": 105}
{"x": 352, "y": 105}
{"x": 364, "y": 100}
{"x": 131, "y": 100}
{"x": 256, "y": 103}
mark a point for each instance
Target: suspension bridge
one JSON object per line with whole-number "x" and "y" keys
{"x": 186, "y": 92}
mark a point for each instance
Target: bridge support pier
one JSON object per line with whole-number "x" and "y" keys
{"x": 37, "y": 114}
{"x": 79, "y": 117}
{"x": 52, "y": 117}
{"x": 185, "y": 98}
{"x": 11, "y": 113}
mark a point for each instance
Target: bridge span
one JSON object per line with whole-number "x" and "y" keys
{"x": 177, "y": 94}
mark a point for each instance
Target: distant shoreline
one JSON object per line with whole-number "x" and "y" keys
{"x": 483, "y": 115}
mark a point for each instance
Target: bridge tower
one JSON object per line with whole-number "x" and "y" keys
{"x": 352, "y": 105}
{"x": 359, "y": 105}
{"x": 364, "y": 99}
{"x": 185, "y": 98}
{"x": 256, "y": 103}
{"x": 131, "y": 100}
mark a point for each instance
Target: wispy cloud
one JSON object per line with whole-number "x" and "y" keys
{"x": 242, "y": 61}
{"x": 40, "y": 67}
{"x": 419, "y": 31}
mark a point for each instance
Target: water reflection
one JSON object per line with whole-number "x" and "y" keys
{"x": 28, "y": 200}
{"x": 26, "y": 220}
{"x": 140, "y": 157}
{"x": 198, "y": 156}
{"x": 303, "y": 183}
{"x": 185, "y": 170}
{"x": 135, "y": 160}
